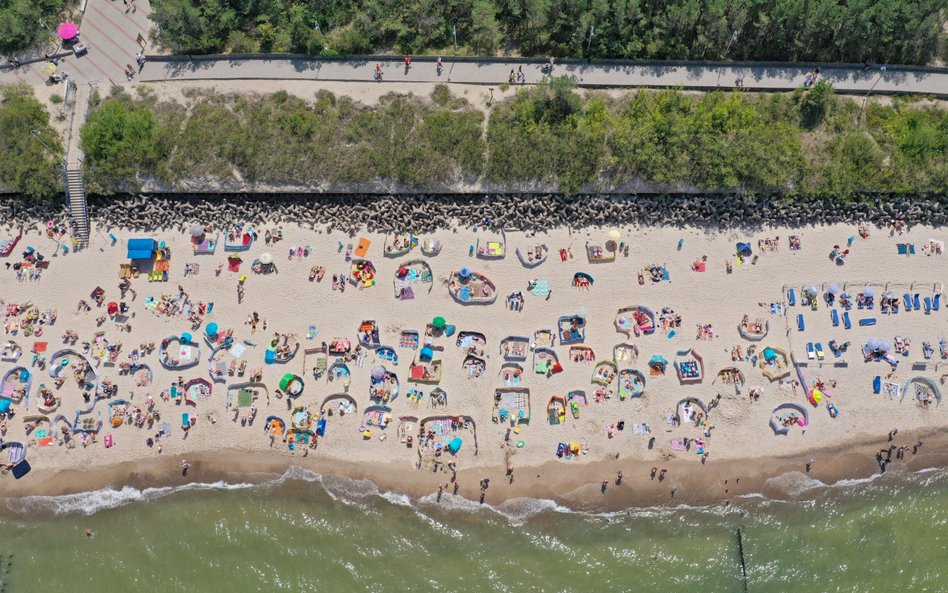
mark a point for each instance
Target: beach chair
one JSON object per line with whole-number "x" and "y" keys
{"x": 916, "y": 302}
{"x": 936, "y": 302}
{"x": 819, "y": 352}
{"x": 902, "y": 248}
{"x": 834, "y": 315}
{"x": 867, "y": 321}
{"x": 792, "y": 297}
{"x": 911, "y": 248}
{"x": 800, "y": 324}
{"x": 834, "y": 348}
{"x": 846, "y": 322}
{"x": 907, "y": 301}
{"x": 810, "y": 354}
{"x": 928, "y": 306}
{"x": 877, "y": 384}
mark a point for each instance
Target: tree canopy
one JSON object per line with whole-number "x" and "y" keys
{"x": 886, "y": 31}
{"x": 20, "y": 22}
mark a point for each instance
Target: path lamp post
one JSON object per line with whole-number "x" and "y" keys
{"x": 728, "y": 47}
{"x": 724, "y": 55}
{"x": 37, "y": 135}
{"x": 865, "y": 99}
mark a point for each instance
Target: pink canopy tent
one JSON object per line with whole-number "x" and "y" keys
{"x": 68, "y": 31}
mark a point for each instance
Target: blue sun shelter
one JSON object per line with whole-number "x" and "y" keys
{"x": 142, "y": 248}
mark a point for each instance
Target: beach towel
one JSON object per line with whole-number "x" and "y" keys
{"x": 541, "y": 288}
{"x": 677, "y": 445}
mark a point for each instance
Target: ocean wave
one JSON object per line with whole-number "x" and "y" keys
{"x": 353, "y": 492}
{"x": 89, "y": 503}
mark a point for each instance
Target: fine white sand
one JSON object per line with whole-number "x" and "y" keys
{"x": 290, "y": 303}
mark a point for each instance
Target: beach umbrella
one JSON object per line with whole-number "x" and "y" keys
{"x": 68, "y": 31}
{"x": 426, "y": 354}
{"x": 266, "y": 258}
{"x": 455, "y": 444}
{"x": 211, "y": 329}
{"x": 887, "y": 294}
{"x": 186, "y": 337}
{"x": 438, "y": 322}
{"x": 49, "y": 69}
{"x": 582, "y": 312}
{"x": 197, "y": 230}
{"x": 868, "y": 291}
{"x": 833, "y": 289}
{"x": 812, "y": 290}
{"x": 464, "y": 273}
{"x": 378, "y": 372}
{"x": 615, "y": 235}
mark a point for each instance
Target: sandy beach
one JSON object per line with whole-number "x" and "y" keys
{"x": 702, "y": 429}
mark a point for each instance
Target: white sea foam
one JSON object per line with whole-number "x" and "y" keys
{"x": 88, "y": 503}
{"x": 793, "y": 483}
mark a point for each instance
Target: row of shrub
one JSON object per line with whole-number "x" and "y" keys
{"x": 887, "y": 31}
{"x": 549, "y": 136}
{"x": 30, "y": 149}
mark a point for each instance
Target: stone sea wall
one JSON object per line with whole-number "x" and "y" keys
{"x": 419, "y": 213}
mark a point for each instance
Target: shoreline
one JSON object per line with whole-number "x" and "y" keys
{"x": 579, "y": 492}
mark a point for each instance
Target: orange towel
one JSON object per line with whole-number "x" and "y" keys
{"x": 363, "y": 247}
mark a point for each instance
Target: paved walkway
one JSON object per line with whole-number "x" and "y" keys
{"x": 846, "y": 79}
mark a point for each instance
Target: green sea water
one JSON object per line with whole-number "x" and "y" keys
{"x": 305, "y": 532}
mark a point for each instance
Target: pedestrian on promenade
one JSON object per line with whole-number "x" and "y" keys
{"x": 378, "y": 77}
{"x": 513, "y": 76}
{"x": 439, "y": 66}
{"x": 407, "y": 64}
{"x": 521, "y": 77}
{"x": 740, "y": 79}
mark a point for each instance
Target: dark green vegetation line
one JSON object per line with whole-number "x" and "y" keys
{"x": 887, "y": 31}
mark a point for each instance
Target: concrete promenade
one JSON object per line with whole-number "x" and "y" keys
{"x": 698, "y": 76}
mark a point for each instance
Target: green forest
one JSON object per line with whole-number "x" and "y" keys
{"x": 26, "y": 165}
{"x": 886, "y": 31}
{"x": 810, "y": 142}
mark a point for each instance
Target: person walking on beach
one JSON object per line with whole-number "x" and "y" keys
{"x": 605, "y": 484}
{"x": 184, "y": 467}
{"x": 809, "y": 464}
